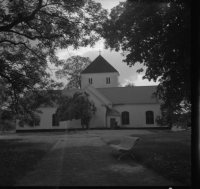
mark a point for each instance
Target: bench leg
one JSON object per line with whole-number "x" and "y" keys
{"x": 115, "y": 151}
{"x": 126, "y": 154}
{"x": 132, "y": 156}
{"x": 121, "y": 156}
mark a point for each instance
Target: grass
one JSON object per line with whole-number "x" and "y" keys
{"x": 167, "y": 153}
{"x": 92, "y": 167}
{"x": 18, "y": 158}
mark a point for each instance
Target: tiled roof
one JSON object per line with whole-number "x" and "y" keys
{"x": 99, "y": 65}
{"x": 129, "y": 95}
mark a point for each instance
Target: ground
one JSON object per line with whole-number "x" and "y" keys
{"x": 83, "y": 159}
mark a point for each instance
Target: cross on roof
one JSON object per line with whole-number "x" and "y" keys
{"x": 100, "y": 52}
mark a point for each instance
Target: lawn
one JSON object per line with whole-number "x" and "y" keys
{"x": 17, "y": 158}
{"x": 165, "y": 152}
{"x": 168, "y": 153}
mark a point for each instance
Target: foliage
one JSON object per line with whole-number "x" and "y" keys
{"x": 157, "y": 34}
{"x": 7, "y": 122}
{"x": 77, "y": 106}
{"x": 183, "y": 119}
{"x": 72, "y": 70}
{"x": 129, "y": 84}
{"x": 28, "y": 112}
{"x": 30, "y": 34}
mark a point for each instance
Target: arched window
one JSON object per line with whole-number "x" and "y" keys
{"x": 149, "y": 117}
{"x": 125, "y": 118}
{"x": 55, "y": 121}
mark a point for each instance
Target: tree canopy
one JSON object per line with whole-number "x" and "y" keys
{"x": 157, "y": 34}
{"x": 30, "y": 34}
{"x": 130, "y": 84}
{"x": 78, "y": 106}
{"x": 72, "y": 71}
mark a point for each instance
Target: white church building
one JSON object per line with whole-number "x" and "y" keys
{"x": 130, "y": 107}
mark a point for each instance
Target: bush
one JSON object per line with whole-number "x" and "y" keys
{"x": 7, "y": 125}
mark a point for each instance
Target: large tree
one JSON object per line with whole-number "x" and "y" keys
{"x": 30, "y": 34}
{"x": 78, "y": 106}
{"x": 156, "y": 34}
{"x": 72, "y": 71}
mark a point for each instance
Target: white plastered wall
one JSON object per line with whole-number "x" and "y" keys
{"x": 117, "y": 118}
{"x": 99, "y": 80}
{"x": 99, "y": 119}
{"x": 137, "y": 113}
{"x": 46, "y": 121}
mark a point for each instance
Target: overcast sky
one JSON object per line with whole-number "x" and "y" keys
{"x": 127, "y": 74}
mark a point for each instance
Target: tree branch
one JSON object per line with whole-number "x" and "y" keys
{"x": 21, "y": 43}
{"x": 26, "y": 19}
{"x": 35, "y": 37}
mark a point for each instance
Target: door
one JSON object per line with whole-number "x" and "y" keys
{"x": 112, "y": 123}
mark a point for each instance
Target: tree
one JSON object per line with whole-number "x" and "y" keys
{"x": 7, "y": 122}
{"x": 72, "y": 71}
{"x": 129, "y": 84}
{"x": 170, "y": 118}
{"x": 156, "y": 34}
{"x": 77, "y": 106}
{"x": 30, "y": 34}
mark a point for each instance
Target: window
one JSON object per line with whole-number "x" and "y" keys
{"x": 55, "y": 121}
{"x": 107, "y": 80}
{"x": 125, "y": 118}
{"x": 90, "y": 80}
{"x": 149, "y": 117}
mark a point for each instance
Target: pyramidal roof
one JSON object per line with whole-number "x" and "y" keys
{"x": 99, "y": 65}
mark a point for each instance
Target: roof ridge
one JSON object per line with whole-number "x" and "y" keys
{"x": 127, "y": 87}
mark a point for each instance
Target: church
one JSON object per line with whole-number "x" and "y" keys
{"x": 129, "y": 107}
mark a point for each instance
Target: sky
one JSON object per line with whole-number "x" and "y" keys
{"x": 127, "y": 74}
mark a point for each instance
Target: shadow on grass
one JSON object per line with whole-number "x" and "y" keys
{"x": 19, "y": 158}
{"x": 92, "y": 166}
{"x": 167, "y": 153}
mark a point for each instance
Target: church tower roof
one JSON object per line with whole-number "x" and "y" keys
{"x": 99, "y": 65}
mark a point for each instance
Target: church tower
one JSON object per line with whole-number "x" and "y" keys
{"x": 99, "y": 74}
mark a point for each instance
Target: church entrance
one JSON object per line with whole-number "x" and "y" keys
{"x": 112, "y": 123}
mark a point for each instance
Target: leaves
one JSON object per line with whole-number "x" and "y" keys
{"x": 129, "y": 84}
{"x": 72, "y": 69}
{"x": 158, "y": 35}
{"x": 30, "y": 34}
{"x": 77, "y": 106}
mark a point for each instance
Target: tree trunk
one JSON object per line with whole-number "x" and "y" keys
{"x": 88, "y": 124}
{"x": 82, "y": 123}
